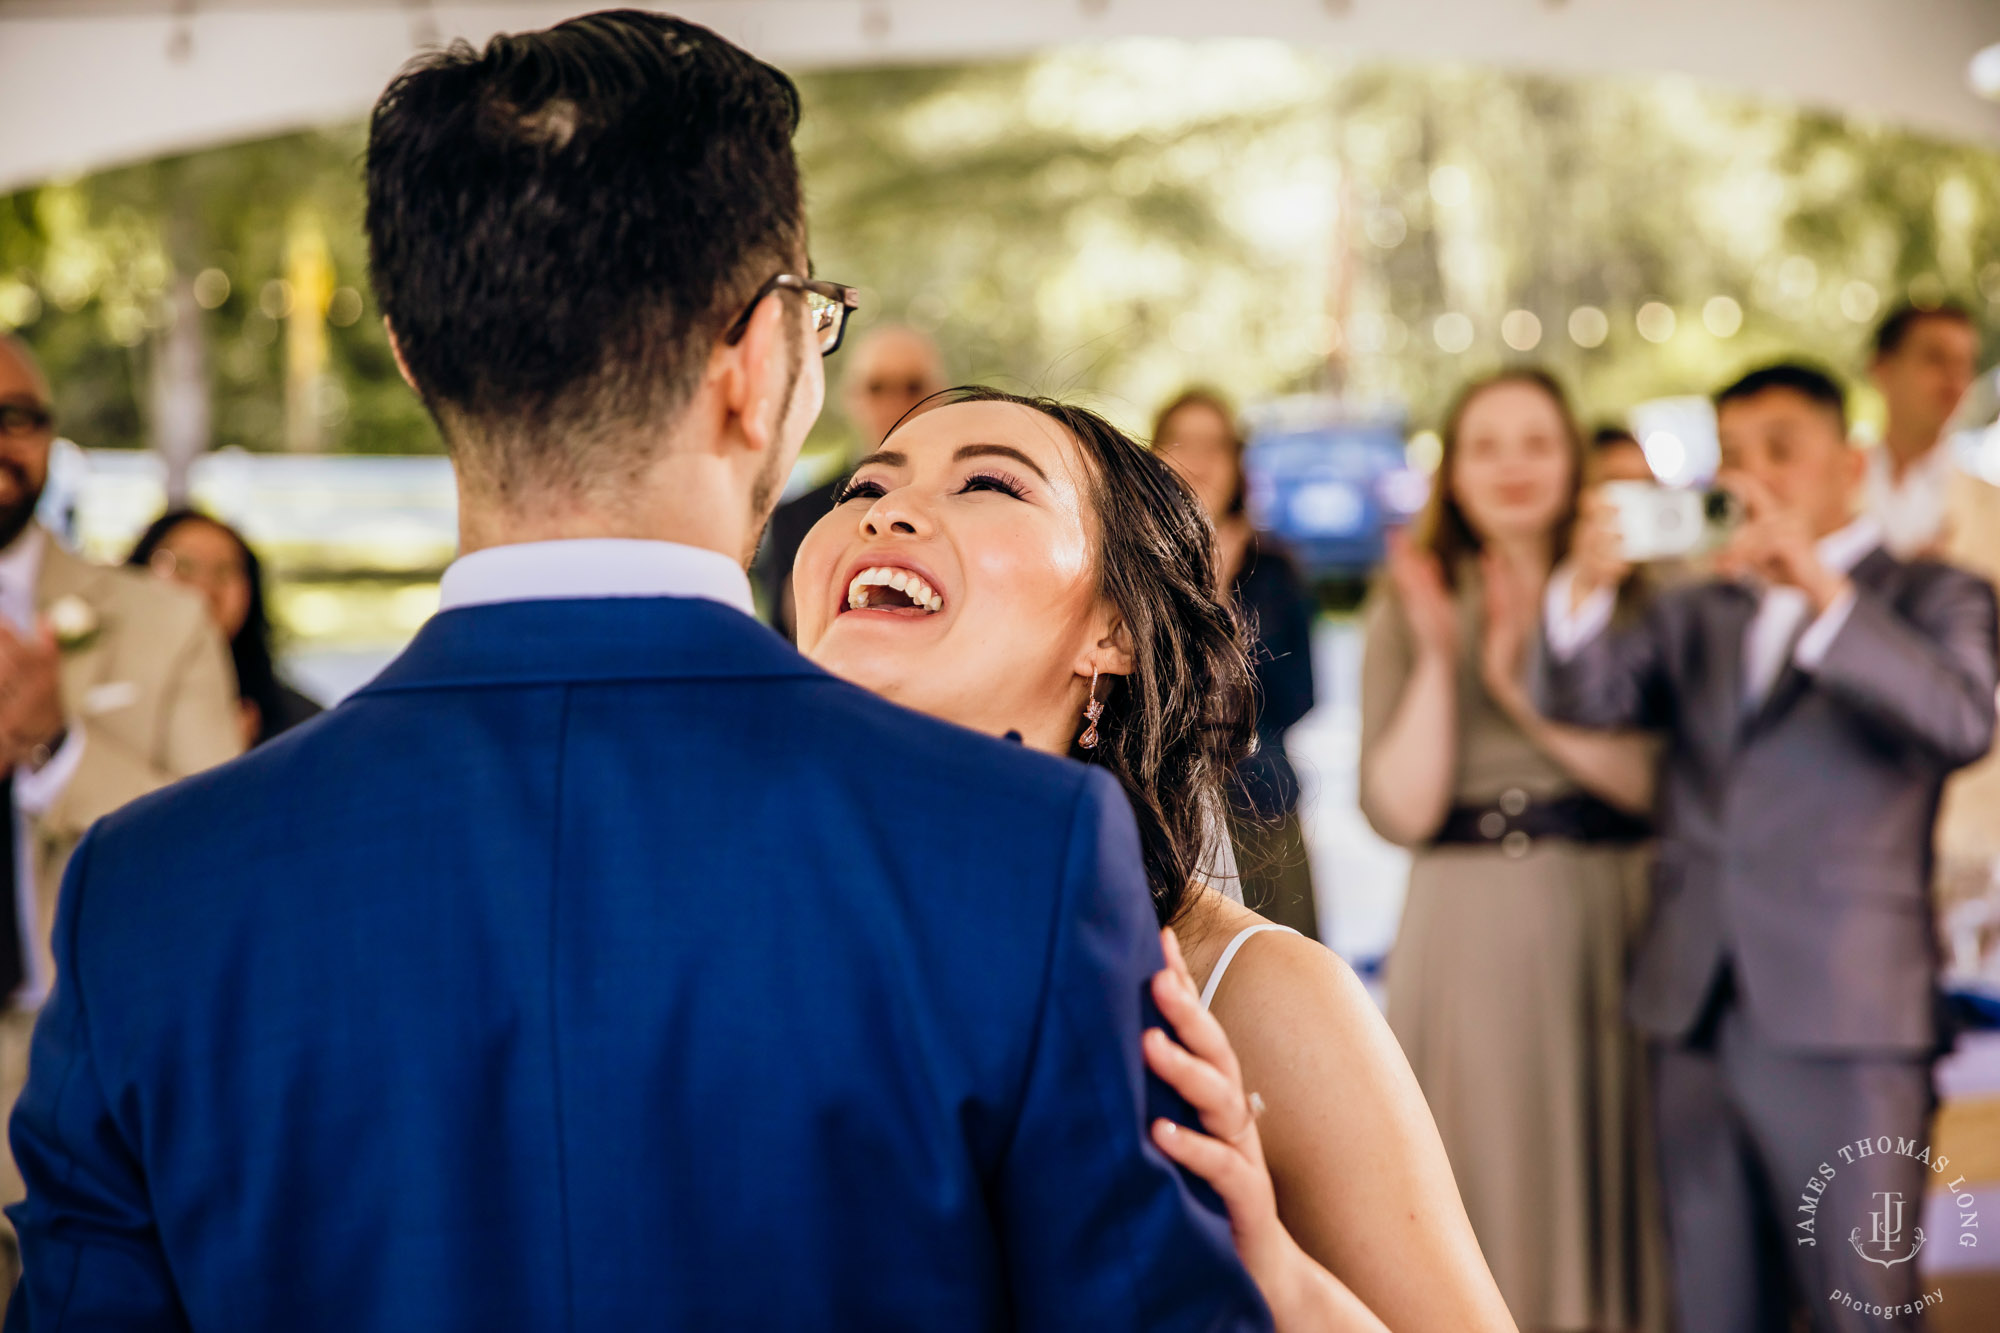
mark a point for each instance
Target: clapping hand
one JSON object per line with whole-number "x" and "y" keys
{"x": 1775, "y": 544}
{"x": 1511, "y": 617}
{"x": 31, "y": 708}
{"x": 1418, "y": 579}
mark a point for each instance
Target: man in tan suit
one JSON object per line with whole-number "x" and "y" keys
{"x": 112, "y": 684}
{"x": 1925, "y": 360}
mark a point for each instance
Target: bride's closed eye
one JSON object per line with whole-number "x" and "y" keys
{"x": 868, "y": 489}
{"x": 994, "y": 481}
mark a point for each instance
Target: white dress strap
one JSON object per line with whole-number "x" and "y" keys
{"x": 1229, "y": 956}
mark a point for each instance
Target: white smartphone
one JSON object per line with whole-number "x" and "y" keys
{"x": 1667, "y": 523}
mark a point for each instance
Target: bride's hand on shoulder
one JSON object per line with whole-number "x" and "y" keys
{"x": 1230, "y": 1157}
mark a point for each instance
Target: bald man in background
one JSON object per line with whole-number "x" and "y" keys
{"x": 112, "y": 684}
{"x": 894, "y": 369}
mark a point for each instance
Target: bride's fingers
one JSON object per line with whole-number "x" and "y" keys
{"x": 1235, "y": 1177}
{"x": 1194, "y": 1025}
{"x": 1217, "y": 1099}
{"x": 1204, "y": 1086}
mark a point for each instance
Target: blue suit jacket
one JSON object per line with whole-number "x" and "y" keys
{"x": 605, "y": 965}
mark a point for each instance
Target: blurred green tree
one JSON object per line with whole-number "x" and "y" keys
{"x": 89, "y": 270}
{"x": 1107, "y": 221}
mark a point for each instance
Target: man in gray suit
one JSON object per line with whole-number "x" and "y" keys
{"x": 1813, "y": 697}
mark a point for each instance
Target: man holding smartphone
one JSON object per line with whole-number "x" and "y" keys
{"x": 1814, "y": 695}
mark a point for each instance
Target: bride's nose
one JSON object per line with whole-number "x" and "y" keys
{"x": 897, "y": 512}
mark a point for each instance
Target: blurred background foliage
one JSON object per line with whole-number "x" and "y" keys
{"x": 1109, "y": 222}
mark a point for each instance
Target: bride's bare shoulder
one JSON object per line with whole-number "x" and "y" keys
{"x": 1303, "y": 1025}
{"x": 1280, "y": 987}
{"x": 1285, "y": 981}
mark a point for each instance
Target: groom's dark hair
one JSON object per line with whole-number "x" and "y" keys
{"x": 562, "y": 224}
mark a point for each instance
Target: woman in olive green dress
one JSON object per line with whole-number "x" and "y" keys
{"x": 1527, "y": 879}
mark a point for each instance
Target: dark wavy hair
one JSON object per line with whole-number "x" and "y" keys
{"x": 1173, "y": 730}
{"x": 561, "y": 224}
{"x": 250, "y": 650}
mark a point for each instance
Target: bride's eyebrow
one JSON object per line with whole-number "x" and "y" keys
{"x": 966, "y": 451}
{"x": 886, "y": 457}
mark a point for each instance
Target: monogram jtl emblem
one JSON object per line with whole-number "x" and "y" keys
{"x": 1886, "y": 1232}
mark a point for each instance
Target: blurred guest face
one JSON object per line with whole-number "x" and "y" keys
{"x": 957, "y": 576}
{"x": 1202, "y": 447}
{"x": 201, "y": 556}
{"x": 1511, "y": 468}
{"x": 1624, "y": 461}
{"x": 27, "y": 430}
{"x": 1924, "y": 379}
{"x": 894, "y": 370}
{"x": 1797, "y": 449}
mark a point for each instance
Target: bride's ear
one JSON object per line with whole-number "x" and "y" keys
{"x": 1112, "y": 654}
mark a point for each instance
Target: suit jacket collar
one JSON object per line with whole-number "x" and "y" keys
{"x": 64, "y": 574}
{"x": 1875, "y": 570}
{"x": 579, "y": 640}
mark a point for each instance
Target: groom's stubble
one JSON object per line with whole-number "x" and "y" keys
{"x": 768, "y": 487}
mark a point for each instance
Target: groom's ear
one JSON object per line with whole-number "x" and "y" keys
{"x": 396, "y": 350}
{"x": 755, "y": 378}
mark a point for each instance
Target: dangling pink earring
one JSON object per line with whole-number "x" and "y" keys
{"x": 1091, "y": 711}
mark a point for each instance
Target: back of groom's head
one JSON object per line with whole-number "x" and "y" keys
{"x": 560, "y": 227}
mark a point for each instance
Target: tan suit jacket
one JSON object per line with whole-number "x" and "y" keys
{"x": 1968, "y": 828}
{"x": 154, "y": 692}
{"x": 155, "y": 696}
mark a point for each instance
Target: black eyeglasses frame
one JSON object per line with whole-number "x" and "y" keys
{"x": 841, "y": 298}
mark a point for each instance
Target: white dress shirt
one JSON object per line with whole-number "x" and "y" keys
{"x": 1774, "y": 630}
{"x": 35, "y": 790}
{"x": 1910, "y": 508}
{"x": 593, "y": 567}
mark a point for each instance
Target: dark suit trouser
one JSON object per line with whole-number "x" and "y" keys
{"x": 1742, "y": 1129}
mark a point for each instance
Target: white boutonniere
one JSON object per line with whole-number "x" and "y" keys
{"x": 74, "y": 622}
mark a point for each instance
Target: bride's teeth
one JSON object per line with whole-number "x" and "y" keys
{"x": 920, "y": 593}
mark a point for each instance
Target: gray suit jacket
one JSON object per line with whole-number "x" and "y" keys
{"x": 1796, "y": 842}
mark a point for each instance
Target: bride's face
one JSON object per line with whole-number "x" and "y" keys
{"x": 957, "y": 574}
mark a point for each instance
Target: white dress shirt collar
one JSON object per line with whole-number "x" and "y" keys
{"x": 34, "y": 790}
{"x": 593, "y": 567}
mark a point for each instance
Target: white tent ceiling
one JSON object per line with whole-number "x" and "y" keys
{"x": 92, "y": 83}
